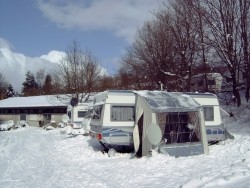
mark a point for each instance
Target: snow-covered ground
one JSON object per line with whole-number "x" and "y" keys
{"x": 34, "y": 157}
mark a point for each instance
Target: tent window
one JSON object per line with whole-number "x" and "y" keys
{"x": 122, "y": 113}
{"x": 208, "y": 113}
{"x": 69, "y": 114}
{"x": 181, "y": 127}
{"x": 97, "y": 112}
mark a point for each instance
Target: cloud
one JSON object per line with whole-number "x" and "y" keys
{"x": 4, "y": 43}
{"x": 54, "y": 56}
{"x": 122, "y": 17}
{"x": 14, "y": 65}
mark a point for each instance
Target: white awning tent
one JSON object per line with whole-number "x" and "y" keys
{"x": 170, "y": 123}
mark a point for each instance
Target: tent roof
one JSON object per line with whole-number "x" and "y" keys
{"x": 161, "y": 101}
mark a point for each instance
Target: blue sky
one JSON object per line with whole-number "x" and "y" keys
{"x": 34, "y": 28}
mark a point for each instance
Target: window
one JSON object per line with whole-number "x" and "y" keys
{"x": 47, "y": 116}
{"x": 89, "y": 113}
{"x": 200, "y": 83}
{"x": 122, "y": 113}
{"x": 69, "y": 114}
{"x": 23, "y": 117}
{"x": 209, "y": 131}
{"x": 211, "y": 82}
{"x": 180, "y": 127}
{"x": 82, "y": 114}
{"x": 208, "y": 113}
{"x": 97, "y": 112}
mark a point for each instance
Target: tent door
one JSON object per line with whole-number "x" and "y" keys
{"x": 140, "y": 128}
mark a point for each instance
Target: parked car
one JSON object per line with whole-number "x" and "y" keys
{"x": 7, "y": 125}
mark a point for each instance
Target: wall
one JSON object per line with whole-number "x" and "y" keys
{"x": 30, "y": 119}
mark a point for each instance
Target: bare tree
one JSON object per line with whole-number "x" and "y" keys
{"x": 77, "y": 73}
{"x": 164, "y": 50}
{"x": 132, "y": 74}
{"x": 151, "y": 54}
{"x": 184, "y": 28}
{"x": 190, "y": 37}
{"x": 223, "y": 19}
{"x": 245, "y": 39}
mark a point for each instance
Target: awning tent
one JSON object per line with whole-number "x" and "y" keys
{"x": 170, "y": 122}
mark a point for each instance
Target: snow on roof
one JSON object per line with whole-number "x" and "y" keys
{"x": 100, "y": 97}
{"x": 34, "y": 101}
{"x": 161, "y": 101}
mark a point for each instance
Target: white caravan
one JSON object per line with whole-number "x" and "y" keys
{"x": 215, "y": 127}
{"x": 214, "y": 82}
{"x": 113, "y": 118}
{"x": 76, "y": 116}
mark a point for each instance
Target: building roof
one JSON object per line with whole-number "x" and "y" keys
{"x": 35, "y": 101}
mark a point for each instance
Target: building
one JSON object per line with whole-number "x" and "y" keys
{"x": 35, "y": 110}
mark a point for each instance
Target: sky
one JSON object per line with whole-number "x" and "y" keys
{"x": 34, "y": 34}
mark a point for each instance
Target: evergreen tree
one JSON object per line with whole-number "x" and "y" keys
{"x": 9, "y": 91}
{"x": 30, "y": 86}
{"x": 47, "y": 87}
{"x": 3, "y": 85}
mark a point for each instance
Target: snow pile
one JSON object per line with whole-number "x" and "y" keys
{"x": 11, "y": 124}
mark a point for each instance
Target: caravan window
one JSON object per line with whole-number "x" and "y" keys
{"x": 89, "y": 113}
{"x": 122, "y": 113}
{"x": 208, "y": 113}
{"x": 97, "y": 112}
{"x": 82, "y": 114}
{"x": 211, "y": 82}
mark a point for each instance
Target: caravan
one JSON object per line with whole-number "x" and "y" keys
{"x": 113, "y": 118}
{"x": 215, "y": 127}
{"x": 76, "y": 116}
{"x": 179, "y": 124}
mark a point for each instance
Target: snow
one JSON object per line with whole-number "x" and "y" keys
{"x": 34, "y": 157}
{"x": 162, "y": 101}
{"x": 34, "y": 101}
